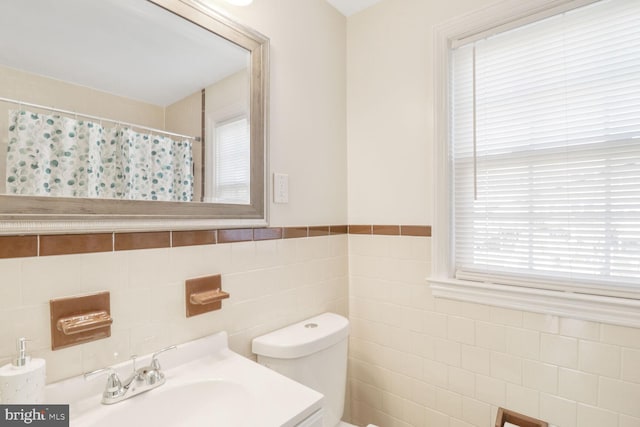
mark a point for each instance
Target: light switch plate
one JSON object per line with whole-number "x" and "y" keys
{"x": 280, "y": 188}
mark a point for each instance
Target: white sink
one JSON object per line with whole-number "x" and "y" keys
{"x": 159, "y": 408}
{"x": 206, "y": 385}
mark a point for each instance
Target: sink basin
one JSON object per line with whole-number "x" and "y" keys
{"x": 184, "y": 404}
{"x": 206, "y": 385}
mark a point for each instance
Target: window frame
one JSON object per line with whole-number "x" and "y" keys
{"x": 523, "y": 295}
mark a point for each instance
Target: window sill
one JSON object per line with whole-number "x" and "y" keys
{"x": 617, "y": 311}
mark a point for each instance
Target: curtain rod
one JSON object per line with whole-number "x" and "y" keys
{"x": 101, "y": 119}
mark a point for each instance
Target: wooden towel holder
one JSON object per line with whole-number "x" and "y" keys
{"x": 521, "y": 420}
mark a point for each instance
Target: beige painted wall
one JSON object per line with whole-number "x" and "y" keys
{"x": 416, "y": 360}
{"x": 390, "y": 108}
{"x": 36, "y": 89}
{"x": 229, "y": 97}
{"x": 308, "y": 107}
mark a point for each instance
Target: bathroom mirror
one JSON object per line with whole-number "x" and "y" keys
{"x": 130, "y": 114}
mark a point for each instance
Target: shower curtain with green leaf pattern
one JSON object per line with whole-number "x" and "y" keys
{"x": 52, "y": 155}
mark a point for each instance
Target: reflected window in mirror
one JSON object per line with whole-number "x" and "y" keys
{"x": 231, "y": 181}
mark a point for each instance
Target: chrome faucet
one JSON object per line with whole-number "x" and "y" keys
{"x": 140, "y": 380}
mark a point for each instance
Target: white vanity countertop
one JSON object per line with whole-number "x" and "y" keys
{"x": 206, "y": 384}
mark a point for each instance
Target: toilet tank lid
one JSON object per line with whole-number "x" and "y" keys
{"x": 303, "y": 338}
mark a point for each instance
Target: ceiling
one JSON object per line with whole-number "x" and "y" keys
{"x": 350, "y": 7}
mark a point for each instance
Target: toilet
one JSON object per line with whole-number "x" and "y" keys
{"x": 314, "y": 353}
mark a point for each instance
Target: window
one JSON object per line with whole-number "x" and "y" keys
{"x": 543, "y": 160}
{"x": 230, "y": 180}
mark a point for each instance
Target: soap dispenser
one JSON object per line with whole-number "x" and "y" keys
{"x": 23, "y": 380}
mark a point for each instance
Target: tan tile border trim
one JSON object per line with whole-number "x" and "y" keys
{"x": 66, "y": 244}
{"x": 133, "y": 241}
{"x": 232, "y": 235}
{"x": 387, "y": 230}
{"x": 193, "y": 238}
{"x": 18, "y": 246}
{"x": 295, "y": 232}
{"x": 415, "y": 230}
{"x": 392, "y": 230}
{"x": 267, "y": 233}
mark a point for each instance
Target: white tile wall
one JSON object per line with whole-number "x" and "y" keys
{"x": 474, "y": 357}
{"x": 414, "y": 360}
{"x": 272, "y": 283}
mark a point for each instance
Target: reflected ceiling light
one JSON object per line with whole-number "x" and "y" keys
{"x": 239, "y": 2}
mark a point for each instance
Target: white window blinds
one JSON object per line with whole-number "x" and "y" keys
{"x": 546, "y": 152}
{"x": 232, "y": 162}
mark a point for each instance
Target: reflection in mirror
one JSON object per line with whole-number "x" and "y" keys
{"x": 121, "y": 99}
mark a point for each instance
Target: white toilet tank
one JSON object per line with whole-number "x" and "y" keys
{"x": 312, "y": 352}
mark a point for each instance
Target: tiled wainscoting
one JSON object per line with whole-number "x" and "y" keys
{"x": 414, "y": 360}
{"x": 275, "y": 276}
{"x": 420, "y": 361}
{"x": 272, "y": 283}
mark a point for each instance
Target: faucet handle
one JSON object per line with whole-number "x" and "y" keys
{"x": 155, "y": 364}
{"x": 114, "y": 385}
{"x": 92, "y": 374}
